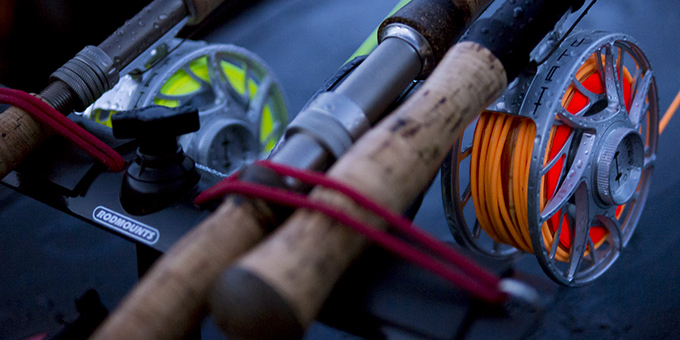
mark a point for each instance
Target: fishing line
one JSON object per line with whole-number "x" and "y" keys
{"x": 499, "y": 171}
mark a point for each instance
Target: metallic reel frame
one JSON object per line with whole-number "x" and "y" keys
{"x": 576, "y": 196}
{"x": 468, "y": 235}
{"x": 224, "y": 105}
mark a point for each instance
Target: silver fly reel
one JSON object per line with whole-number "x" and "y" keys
{"x": 241, "y": 106}
{"x": 594, "y": 108}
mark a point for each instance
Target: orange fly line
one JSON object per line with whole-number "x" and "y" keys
{"x": 499, "y": 170}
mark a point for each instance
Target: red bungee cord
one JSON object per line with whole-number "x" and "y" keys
{"x": 444, "y": 261}
{"x": 48, "y": 115}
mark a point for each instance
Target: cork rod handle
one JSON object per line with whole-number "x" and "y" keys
{"x": 297, "y": 267}
{"x": 170, "y": 299}
{"x": 19, "y": 135}
{"x": 301, "y": 262}
{"x": 172, "y": 295}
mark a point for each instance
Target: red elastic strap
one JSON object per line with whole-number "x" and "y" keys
{"x": 47, "y": 115}
{"x": 444, "y": 262}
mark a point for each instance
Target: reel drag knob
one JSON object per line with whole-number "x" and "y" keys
{"x": 619, "y": 166}
{"x": 161, "y": 173}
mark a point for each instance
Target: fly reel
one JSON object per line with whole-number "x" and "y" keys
{"x": 560, "y": 165}
{"x": 241, "y": 106}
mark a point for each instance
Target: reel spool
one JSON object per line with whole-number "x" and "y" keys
{"x": 241, "y": 106}
{"x": 560, "y": 165}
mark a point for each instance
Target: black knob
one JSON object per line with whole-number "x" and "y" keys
{"x": 155, "y": 121}
{"x": 161, "y": 173}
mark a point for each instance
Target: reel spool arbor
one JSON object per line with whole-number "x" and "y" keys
{"x": 560, "y": 165}
{"x": 241, "y": 106}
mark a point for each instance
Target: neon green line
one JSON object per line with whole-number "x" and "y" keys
{"x": 372, "y": 41}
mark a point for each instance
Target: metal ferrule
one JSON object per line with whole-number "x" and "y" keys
{"x": 302, "y": 151}
{"x": 89, "y": 74}
{"x": 95, "y": 70}
{"x": 333, "y": 120}
{"x": 416, "y": 40}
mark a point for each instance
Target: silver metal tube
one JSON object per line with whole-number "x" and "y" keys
{"x": 326, "y": 129}
{"x": 303, "y": 152}
{"x": 382, "y": 77}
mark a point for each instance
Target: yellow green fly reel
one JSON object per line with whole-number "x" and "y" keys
{"x": 241, "y": 105}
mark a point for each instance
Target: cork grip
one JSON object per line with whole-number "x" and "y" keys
{"x": 19, "y": 135}
{"x": 392, "y": 164}
{"x": 439, "y": 21}
{"x": 170, "y": 300}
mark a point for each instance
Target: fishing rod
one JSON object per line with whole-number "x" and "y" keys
{"x": 241, "y": 110}
{"x": 288, "y": 276}
{"x": 328, "y": 138}
{"x": 143, "y": 49}
{"x": 95, "y": 70}
{"x": 174, "y": 291}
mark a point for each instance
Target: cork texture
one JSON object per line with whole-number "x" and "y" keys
{"x": 392, "y": 164}
{"x": 170, "y": 300}
{"x": 19, "y": 136}
{"x": 439, "y": 21}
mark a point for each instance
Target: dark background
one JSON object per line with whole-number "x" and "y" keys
{"x": 47, "y": 259}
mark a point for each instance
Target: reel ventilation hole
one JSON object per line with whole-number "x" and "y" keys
{"x": 575, "y": 194}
